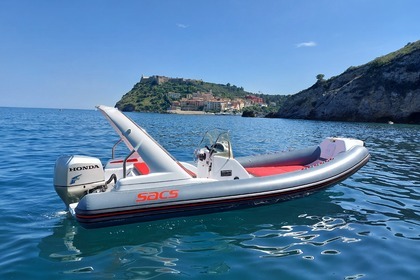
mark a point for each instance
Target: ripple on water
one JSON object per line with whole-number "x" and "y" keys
{"x": 371, "y": 217}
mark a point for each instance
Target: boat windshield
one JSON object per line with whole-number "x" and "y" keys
{"x": 217, "y": 141}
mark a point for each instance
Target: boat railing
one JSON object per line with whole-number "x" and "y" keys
{"x": 125, "y": 159}
{"x": 114, "y": 147}
{"x": 125, "y": 163}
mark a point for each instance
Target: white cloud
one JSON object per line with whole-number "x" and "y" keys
{"x": 306, "y": 44}
{"x": 181, "y": 25}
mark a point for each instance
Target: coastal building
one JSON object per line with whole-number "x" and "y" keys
{"x": 193, "y": 104}
{"x": 175, "y": 105}
{"x": 236, "y": 105}
{"x": 215, "y": 105}
{"x": 202, "y": 101}
{"x": 205, "y": 101}
{"x": 254, "y": 99}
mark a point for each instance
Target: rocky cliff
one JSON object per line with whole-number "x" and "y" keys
{"x": 385, "y": 89}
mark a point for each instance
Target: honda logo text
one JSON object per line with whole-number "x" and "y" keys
{"x": 86, "y": 167}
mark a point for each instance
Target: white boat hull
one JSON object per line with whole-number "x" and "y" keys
{"x": 149, "y": 184}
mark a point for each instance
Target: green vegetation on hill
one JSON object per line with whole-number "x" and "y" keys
{"x": 382, "y": 90}
{"x": 389, "y": 58}
{"x": 389, "y": 79}
{"x": 154, "y": 95}
{"x": 407, "y": 49}
{"x": 274, "y": 103}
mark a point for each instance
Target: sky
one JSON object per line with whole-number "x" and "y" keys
{"x": 82, "y": 53}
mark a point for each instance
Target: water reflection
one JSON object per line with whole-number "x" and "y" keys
{"x": 374, "y": 215}
{"x": 148, "y": 250}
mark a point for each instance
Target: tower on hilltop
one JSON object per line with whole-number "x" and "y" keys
{"x": 154, "y": 79}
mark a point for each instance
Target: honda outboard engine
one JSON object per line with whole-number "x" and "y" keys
{"x": 76, "y": 176}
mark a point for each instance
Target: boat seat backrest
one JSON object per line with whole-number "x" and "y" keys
{"x": 331, "y": 147}
{"x": 142, "y": 168}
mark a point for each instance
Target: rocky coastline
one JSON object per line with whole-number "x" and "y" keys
{"x": 386, "y": 89}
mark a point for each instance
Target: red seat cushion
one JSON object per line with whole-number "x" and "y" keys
{"x": 272, "y": 170}
{"x": 142, "y": 168}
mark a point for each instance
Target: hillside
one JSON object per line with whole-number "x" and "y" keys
{"x": 158, "y": 93}
{"x": 385, "y": 89}
{"x": 152, "y": 94}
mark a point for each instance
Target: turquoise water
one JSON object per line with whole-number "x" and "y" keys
{"x": 367, "y": 227}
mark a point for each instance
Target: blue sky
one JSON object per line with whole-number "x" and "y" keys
{"x": 81, "y": 53}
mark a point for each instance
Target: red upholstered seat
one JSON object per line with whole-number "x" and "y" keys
{"x": 272, "y": 170}
{"x": 142, "y": 168}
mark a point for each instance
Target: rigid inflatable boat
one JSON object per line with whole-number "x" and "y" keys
{"x": 150, "y": 184}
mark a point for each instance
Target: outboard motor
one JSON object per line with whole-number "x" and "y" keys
{"x": 76, "y": 176}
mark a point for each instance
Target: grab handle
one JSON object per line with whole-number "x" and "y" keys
{"x": 125, "y": 163}
{"x": 114, "y": 147}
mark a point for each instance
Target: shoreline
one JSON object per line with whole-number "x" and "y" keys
{"x": 179, "y": 112}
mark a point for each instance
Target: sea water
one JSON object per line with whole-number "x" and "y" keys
{"x": 366, "y": 227}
